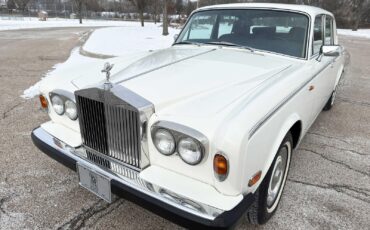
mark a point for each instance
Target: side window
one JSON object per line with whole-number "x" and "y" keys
{"x": 317, "y": 35}
{"x": 329, "y": 31}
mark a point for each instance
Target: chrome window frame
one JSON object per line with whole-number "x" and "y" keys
{"x": 313, "y": 34}
{"x": 332, "y": 29}
{"x": 323, "y": 25}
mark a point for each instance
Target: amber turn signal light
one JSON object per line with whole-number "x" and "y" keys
{"x": 44, "y": 102}
{"x": 220, "y": 166}
{"x": 255, "y": 179}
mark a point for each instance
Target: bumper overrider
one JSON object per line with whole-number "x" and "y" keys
{"x": 167, "y": 204}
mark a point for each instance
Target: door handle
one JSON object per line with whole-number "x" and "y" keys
{"x": 312, "y": 87}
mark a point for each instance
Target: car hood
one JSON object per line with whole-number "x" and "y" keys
{"x": 197, "y": 81}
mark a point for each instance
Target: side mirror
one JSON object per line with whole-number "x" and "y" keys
{"x": 330, "y": 51}
{"x": 175, "y": 37}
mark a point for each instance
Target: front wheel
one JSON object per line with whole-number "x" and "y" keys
{"x": 268, "y": 195}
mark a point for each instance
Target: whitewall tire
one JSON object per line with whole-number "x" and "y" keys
{"x": 268, "y": 195}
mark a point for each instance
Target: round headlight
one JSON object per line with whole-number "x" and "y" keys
{"x": 71, "y": 110}
{"x": 190, "y": 151}
{"x": 58, "y": 104}
{"x": 164, "y": 142}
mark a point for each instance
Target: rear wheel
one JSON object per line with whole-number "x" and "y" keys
{"x": 268, "y": 195}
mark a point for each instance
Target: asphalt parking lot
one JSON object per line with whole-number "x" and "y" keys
{"x": 328, "y": 185}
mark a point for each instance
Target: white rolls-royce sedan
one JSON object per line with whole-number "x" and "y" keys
{"x": 201, "y": 133}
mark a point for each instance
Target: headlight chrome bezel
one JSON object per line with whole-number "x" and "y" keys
{"x": 180, "y": 132}
{"x": 64, "y": 99}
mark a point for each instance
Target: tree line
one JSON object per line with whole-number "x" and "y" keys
{"x": 349, "y": 13}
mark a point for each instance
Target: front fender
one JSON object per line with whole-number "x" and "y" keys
{"x": 263, "y": 146}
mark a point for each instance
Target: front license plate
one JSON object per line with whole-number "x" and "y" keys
{"x": 94, "y": 182}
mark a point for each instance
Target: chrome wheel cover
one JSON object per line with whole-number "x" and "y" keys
{"x": 277, "y": 178}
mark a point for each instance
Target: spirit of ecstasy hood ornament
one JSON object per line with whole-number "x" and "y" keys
{"x": 107, "y": 68}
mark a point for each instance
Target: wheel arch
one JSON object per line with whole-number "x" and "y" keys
{"x": 296, "y": 131}
{"x": 339, "y": 75}
{"x": 292, "y": 124}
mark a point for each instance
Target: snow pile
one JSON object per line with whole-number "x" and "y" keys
{"x": 365, "y": 33}
{"x": 118, "y": 41}
{"x": 74, "y": 58}
{"x": 33, "y": 91}
{"x": 16, "y": 23}
{"x": 115, "y": 41}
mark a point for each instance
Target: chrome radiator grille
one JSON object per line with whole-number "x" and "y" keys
{"x": 123, "y": 132}
{"x": 92, "y": 124}
{"x": 109, "y": 126}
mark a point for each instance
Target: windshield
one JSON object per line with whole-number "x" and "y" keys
{"x": 269, "y": 30}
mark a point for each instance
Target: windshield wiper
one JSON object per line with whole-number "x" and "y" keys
{"x": 223, "y": 43}
{"x": 188, "y": 43}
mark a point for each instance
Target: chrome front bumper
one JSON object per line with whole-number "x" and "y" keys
{"x": 127, "y": 183}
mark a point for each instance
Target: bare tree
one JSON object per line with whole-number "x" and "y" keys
{"x": 359, "y": 9}
{"x": 153, "y": 8}
{"x": 190, "y": 7}
{"x": 179, "y": 6}
{"x": 21, "y": 4}
{"x": 11, "y": 5}
{"x": 93, "y": 5}
{"x": 165, "y": 17}
{"x": 140, "y": 6}
{"x": 80, "y": 4}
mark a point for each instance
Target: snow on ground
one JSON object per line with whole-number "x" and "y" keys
{"x": 118, "y": 41}
{"x": 75, "y": 57}
{"x": 113, "y": 41}
{"x": 16, "y": 23}
{"x": 365, "y": 33}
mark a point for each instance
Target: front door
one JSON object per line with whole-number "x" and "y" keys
{"x": 322, "y": 69}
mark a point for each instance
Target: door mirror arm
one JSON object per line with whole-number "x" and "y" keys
{"x": 319, "y": 57}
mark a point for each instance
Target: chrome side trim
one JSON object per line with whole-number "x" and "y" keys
{"x": 132, "y": 179}
{"x": 265, "y": 118}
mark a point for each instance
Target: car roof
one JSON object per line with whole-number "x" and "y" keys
{"x": 311, "y": 10}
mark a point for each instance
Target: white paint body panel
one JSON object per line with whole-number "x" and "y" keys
{"x": 222, "y": 93}
{"x": 189, "y": 188}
